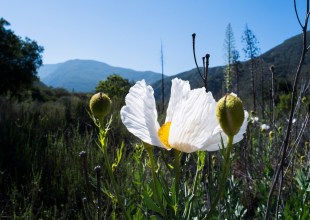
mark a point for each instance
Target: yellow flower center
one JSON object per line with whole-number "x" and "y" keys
{"x": 163, "y": 134}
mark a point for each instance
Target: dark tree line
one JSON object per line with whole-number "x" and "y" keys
{"x": 19, "y": 60}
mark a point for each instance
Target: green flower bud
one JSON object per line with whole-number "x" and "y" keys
{"x": 100, "y": 105}
{"x": 271, "y": 135}
{"x": 252, "y": 113}
{"x": 230, "y": 114}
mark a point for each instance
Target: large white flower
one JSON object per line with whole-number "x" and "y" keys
{"x": 190, "y": 124}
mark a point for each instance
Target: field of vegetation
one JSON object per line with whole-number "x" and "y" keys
{"x": 57, "y": 161}
{"x": 53, "y": 166}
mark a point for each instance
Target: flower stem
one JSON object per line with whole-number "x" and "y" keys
{"x": 223, "y": 177}
{"x": 98, "y": 172}
{"x": 177, "y": 177}
{"x": 109, "y": 169}
{"x": 194, "y": 186}
{"x": 150, "y": 152}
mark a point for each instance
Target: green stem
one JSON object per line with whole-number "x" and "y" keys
{"x": 177, "y": 177}
{"x": 189, "y": 207}
{"x": 109, "y": 169}
{"x": 223, "y": 177}
{"x": 150, "y": 152}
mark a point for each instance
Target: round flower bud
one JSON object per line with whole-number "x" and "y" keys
{"x": 252, "y": 113}
{"x": 271, "y": 68}
{"x": 271, "y": 135}
{"x": 230, "y": 114}
{"x": 100, "y": 105}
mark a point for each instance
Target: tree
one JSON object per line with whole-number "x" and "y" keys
{"x": 229, "y": 46}
{"x": 251, "y": 51}
{"x": 236, "y": 68}
{"x": 19, "y": 60}
{"x": 114, "y": 86}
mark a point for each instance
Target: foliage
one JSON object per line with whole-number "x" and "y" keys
{"x": 114, "y": 86}
{"x": 229, "y": 46}
{"x": 251, "y": 48}
{"x": 19, "y": 60}
{"x": 44, "y": 175}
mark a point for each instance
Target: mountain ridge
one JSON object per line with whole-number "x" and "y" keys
{"x": 284, "y": 57}
{"x": 84, "y": 75}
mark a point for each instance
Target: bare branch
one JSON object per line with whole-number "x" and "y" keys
{"x": 296, "y": 12}
{"x": 194, "y": 52}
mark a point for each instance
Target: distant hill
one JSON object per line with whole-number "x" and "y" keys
{"x": 285, "y": 57}
{"x": 84, "y": 75}
{"x": 215, "y": 79}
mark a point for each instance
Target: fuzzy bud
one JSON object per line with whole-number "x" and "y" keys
{"x": 100, "y": 105}
{"x": 230, "y": 114}
{"x": 83, "y": 154}
{"x": 271, "y": 135}
{"x": 271, "y": 68}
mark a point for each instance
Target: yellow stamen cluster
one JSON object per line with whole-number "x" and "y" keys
{"x": 163, "y": 134}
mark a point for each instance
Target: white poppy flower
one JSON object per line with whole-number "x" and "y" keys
{"x": 190, "y": 124}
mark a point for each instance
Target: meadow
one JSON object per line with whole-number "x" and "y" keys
{"x": 53, "y": 166}
{"x": 57, "y": 161}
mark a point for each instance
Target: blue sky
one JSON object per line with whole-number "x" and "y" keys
{"x": 128, "y": 33}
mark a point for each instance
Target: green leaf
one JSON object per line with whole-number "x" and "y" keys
{"x": 150, "y": 204}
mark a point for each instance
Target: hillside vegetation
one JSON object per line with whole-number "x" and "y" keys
{"x": 284, "y": 57}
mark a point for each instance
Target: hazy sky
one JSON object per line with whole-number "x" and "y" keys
{"x": 128, "y": 33}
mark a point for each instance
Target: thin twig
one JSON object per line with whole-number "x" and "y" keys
{"x": 194, "y": 52}
{"x": 272, "y": 97}
{"x": 297, "y": 141}
{"x": 98, "y": 173}
{"x": 296, "y": 12}
{"x": 285, "y": 143}
{"x": 206, "y": 71}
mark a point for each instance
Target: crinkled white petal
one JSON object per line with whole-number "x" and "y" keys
{"x": 239, "y": 136}
{"x": 139, "y": 114}
{"x": 214, "y": 143}
{"x": 179, "y": 91}
{"x": 194, "y": 121}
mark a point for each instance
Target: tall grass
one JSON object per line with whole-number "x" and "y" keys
{"x": 43, "y": 171}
